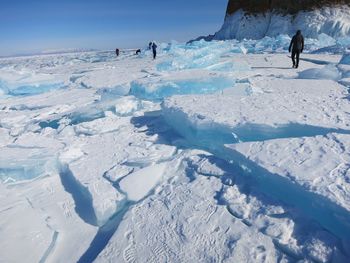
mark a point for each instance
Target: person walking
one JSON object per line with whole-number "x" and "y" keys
{"x": 296, "y": 47}
{"x": 154, "y": 49}
{"x": 117, "y": 52}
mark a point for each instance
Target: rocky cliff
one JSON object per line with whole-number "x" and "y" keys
{"x": 283, "y": 6}
{"x": 254, "y": 19}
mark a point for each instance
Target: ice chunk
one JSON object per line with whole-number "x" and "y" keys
{"x": 126, "y": 106}
{"x": 236, "y": 112}
{"x": 18, "y": 83}
{"x": 30, "y": 156}
{"x": 112, "y": 93}
{"x": 328, "y": 72}
{"x": 324, "y": 40}
{"x": 230, "y": 66}
{"x": 344, "y": 41}
{"x": 345, "y": 59}
{"x": 199, "y": 54}
{"x": 18, "y": 164}
{"x": 158, "y": 90}
{"x": 27, "y": 90}
{"x": 137, "y": 185}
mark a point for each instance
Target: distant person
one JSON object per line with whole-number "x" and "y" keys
{"x": 117, "y": 52}
{"x": 138, "y": 52}
{"x": 297, "y": 47}
{"x": 154, "y": 50}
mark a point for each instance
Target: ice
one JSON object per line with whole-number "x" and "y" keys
{"x": 244, "y": 227}
{"x": 217, "y": 151}
{"x": 344, "y": 41}
{"x": 39, "y": 218}
{"x": 323, "y": 157}
{"x": 126, "y": 106}
{"x": 196, "y": 55}
{"x": 325, "y": 41}
{"x": 345, "y": 59}
{"x": 107, "y": 80}
{"x": 328, "y": 72}
{"x": 28, "y": 89}
{"x": 28, "y": 83}
{"x": 295, "y": 95}
{"x": 161, "y": 89}
{"x": 137, "y": 185}
{"x": 29, "y": 157}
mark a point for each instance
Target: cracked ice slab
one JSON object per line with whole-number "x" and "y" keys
{"x": 30, "y": 156}
{"x": 114, "y": 143}
{"x": 27, "y": 82}
{"x": 209, "y": 221}
{"x": 32, "y": 215}
{"x": 273, "y": 108}
{"x": 319, "y": 164}
{"x": 22, "y": 114}
{"x": 137, "y": 185}
{"x": 115, "y": 77}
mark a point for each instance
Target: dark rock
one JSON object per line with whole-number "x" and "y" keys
{"x": 283, "y": 6}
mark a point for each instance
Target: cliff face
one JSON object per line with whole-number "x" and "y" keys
{"x": 283, "y": 6}
{"x": 255, "y": 19}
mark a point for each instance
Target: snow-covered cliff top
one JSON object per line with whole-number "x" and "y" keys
{"x": 244, "y": 20}
{"x": 284, "y": 6}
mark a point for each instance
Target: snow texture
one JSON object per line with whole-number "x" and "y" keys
{"x": 216, "y": 152}
{"x": 333, "y": 21}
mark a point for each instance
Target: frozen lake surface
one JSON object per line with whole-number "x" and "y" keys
{"x": 214, "y": 152}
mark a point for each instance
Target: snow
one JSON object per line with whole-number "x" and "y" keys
{"x": 139, "y": 184}
{"x": 333, "y": 21}
{"x": 297, "y": 106}
{"x": 216, "y": 152}
{"x": 324, "y": 160}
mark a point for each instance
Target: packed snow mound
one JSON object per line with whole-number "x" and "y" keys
{"x": 333, "y": 21}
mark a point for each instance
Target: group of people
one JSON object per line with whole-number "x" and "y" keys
{"x": 151, "y": 46}
{"x": 296, "y": 47}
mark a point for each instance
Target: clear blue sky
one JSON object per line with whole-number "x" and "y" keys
{"x": 35, "y": 25}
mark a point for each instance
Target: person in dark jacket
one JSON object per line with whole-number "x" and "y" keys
{"x": 154, "y": 49}
{"x": 297, "y": 47}
{"x": 117, "y": 52}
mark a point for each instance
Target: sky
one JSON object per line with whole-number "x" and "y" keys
{"x": 30, "y": 26}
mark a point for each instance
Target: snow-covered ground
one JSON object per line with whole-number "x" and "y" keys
{"x": 215, "y": 152}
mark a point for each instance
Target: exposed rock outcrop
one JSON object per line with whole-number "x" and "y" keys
{"x": 283, "y": 6}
